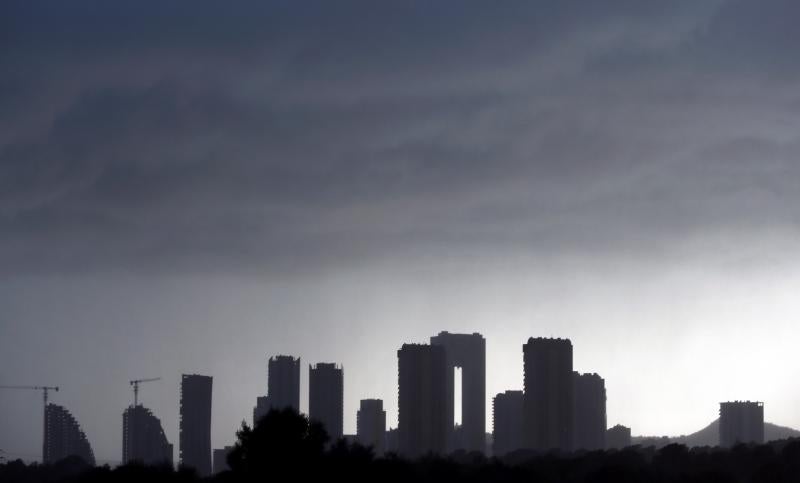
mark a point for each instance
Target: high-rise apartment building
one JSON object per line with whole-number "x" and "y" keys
{"x": 741, "y": 422}
{"x": 326, "y": 397}
{"x": 549, "y": 394}
{"x": 371, "y": 425}
{"x": 467, "y": 352}
{"x": 590, "y": 412}
{"x": 507, "y": 413}
{"x": 423, "y": 425}
{"x": 195, "y": 423}
{"x": 283, "y": 382}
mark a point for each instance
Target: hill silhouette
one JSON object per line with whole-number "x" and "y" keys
{"x": 709, "y": 436}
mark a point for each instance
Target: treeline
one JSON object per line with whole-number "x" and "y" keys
{"x": 285, "y": 447}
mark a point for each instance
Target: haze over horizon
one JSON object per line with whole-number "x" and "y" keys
{"x": 192, "y": 188}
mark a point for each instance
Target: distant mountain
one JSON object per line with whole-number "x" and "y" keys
{"x": 709, "y": 436}
{"x": 773, "y": 432}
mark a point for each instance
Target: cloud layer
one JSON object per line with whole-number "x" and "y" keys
{"x": 214, "y": 137}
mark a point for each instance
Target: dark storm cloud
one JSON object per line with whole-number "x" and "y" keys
{"x": 172, "y": 135}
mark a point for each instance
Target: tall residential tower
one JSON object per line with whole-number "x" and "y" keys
{"x": 371, "y": 425}
{"x": 549, "y": 394}
{"x": 326, "y": 397}
{"x": 283, "y": 386}
{"x": 507, "y": 411}
{"x": 195, "y": 423}
{"x": 423, "y": 425}
{"x": 468, "y": 352}
{"x": 741, "y": 422}
{"x": 590, "y": 412}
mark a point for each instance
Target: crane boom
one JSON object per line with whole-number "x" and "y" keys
{"x": 44, "y": 389}
{"x": 135, "y": 383}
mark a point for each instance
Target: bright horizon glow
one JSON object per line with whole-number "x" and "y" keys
{"x": 708, "y": 321}
{"x": 458, "y": 406}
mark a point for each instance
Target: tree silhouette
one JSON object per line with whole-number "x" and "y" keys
{"x": 283, "y": 444}
{"x": 285, "y": 447}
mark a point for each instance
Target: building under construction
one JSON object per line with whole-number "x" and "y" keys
{"x": 143, "y": 438}
{"x": 63, "y": 436}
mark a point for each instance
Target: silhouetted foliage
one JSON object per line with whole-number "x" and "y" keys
{"x": 285, "y": 446}
{"x": 282, "y": 443}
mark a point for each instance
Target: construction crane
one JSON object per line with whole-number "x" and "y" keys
{"x": 44, "y": 389}
{"x": 135, "y": 383}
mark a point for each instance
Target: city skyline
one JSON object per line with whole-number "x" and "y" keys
{"x": 194, "y": 187}
{"x": 565, "y": 410}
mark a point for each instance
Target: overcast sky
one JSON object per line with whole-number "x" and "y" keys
{"x": 195, "y": 186}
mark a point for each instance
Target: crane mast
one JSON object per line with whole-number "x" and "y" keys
{"x": 45, "y": 392}
{"x": 135, "y": 383}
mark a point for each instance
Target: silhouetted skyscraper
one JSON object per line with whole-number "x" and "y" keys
{"x": 549, "y": 394}
{"x": 143, "y": 438}
{"x": 618, "y": 437}
{"x": 371, "y": 425}
{"x": 283, "y": 382}
{"x": 221, "y": 459}
{"x": 326, "y": 397}
{"x": 590, "y": 412}
{"x": 508, "y": 422}
{"x": 741, "y": 422}
{"x": 423, "y": 426}
{"x": 283, "y": 387}
{"x": 195, "y": 423}
{"x": 63, "y": 436}
{"x": 261, "y": 409}
{"x": 467, "y": 351}
{"x": 392, "y": 440}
